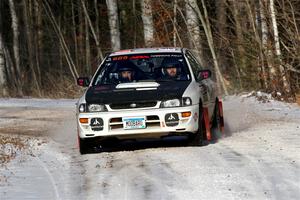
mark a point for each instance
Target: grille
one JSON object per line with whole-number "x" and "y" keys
{"x": 151, "y": 121}
{"x": 132, "y": 105}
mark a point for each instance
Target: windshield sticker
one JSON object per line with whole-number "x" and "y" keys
{"x": 166, "y": 55}
{"x": 139, "y": 57}
{"x": 120, "y": 58}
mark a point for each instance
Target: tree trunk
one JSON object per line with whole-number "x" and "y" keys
{"x": 134, "y": 23}
{"x": 38, "y": 38}
{"x": 147, "y": 22}
{"x": 113, "y": 20}
{"x": 80, "y": 37}
{"x": 175, "y": 23}
{"x": 16, "y": 48}
{"x": 60, "y": 22}
{"x": 3, "y": 79}
{"x": 192, "y": 21}
{"x": 74, "y": 32}
{"x": 87, "y": 48}
{"x": 97, "y": 30}
{"x": 285, "y": 81}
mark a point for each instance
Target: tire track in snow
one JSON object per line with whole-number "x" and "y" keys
{"x": 51, "y": 178}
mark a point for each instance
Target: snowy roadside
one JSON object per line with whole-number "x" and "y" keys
{"x": 41, "y": 159}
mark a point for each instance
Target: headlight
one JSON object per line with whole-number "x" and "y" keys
{"x": 170, "y": 103}
{"x": 96, "y": 108}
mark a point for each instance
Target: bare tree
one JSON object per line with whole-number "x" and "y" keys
{"x": 260, "y": 61}
{"x": 30, "y": 46}
{"x": 173, "y": 20}
{"x": 147, "y": 22}
{"x": 222, "y": 32}
{"x": 207, "y": 29}
{"x": 113, "y": 19}
{"x": 62, "y": 41}
{"x": 88, "y": 20}
{"x": 286, "y": 83}
{"x": 16, "y": 48}
{"x": 192, "y": 21}
{"x": 239, "y": 36}
{"x": 264, "y": 42}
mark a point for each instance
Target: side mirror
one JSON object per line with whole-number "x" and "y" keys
{"x": 83, "y": 81}
{"x": 203, "y": 74}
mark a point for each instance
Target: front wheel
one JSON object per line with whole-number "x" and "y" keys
{"x": 83, "y": 147}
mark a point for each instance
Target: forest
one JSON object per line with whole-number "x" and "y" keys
{"x": 45, "y": 45}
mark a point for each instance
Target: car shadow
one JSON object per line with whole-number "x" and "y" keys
{"x": 115, "y": 145}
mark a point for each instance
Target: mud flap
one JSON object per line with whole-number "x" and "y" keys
{"x": 221, "y": 117}
{"x": 207, "y": 123}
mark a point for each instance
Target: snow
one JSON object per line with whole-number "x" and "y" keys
{"x": 258, "y": 159}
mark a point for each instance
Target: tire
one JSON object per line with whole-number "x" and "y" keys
{"x": 199, "y": 138}
{"x": 83, "y": 147}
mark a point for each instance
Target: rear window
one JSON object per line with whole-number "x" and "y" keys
{"x": 143, "y": 67}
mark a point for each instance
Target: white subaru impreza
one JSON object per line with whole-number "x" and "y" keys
{"x": 148, "y": 93}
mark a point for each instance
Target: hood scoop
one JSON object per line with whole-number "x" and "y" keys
{"x": 139, "y": 85}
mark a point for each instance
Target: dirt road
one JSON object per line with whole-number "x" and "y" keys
{"x": 258, "y": 159}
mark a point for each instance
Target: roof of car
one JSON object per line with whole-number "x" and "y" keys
{"x": 147, "y": 50}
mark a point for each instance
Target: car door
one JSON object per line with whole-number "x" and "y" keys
{"x": 207, "y": 86}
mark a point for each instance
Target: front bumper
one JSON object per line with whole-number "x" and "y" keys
{"x": 155, "y": 123}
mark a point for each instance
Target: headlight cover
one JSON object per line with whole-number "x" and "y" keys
{"x": 170, "y": 103}
{"x": 82, "y": 108}
{"x": 185, "y": 101}
{"x": 96, "y": 108}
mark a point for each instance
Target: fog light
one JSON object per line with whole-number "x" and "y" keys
{"x": 84, "y": 120}
{"x": 185, "y": 114}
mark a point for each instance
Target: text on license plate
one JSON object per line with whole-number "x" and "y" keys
{"x": 134, "y": 123}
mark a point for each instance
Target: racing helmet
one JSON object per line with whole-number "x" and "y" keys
{"x": 172, "y": 64}
{"x": 123, "y": 67}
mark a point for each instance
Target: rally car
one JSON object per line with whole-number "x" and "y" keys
{"x": 148, "y": 93}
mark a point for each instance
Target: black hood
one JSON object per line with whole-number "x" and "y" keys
{"x": 108, "y": 94}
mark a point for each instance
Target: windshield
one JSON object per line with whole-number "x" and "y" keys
{"x": 143, "y": 68}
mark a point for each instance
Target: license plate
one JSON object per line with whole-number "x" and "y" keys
{"x": 134, "y": 123}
